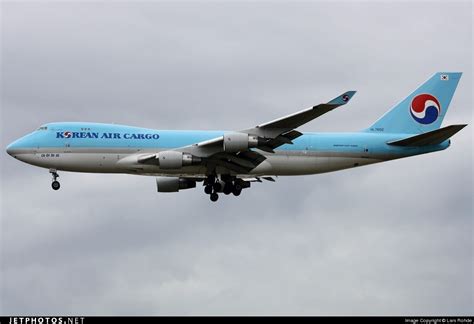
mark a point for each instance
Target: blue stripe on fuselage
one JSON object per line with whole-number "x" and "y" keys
{"x": 94, "y": 135}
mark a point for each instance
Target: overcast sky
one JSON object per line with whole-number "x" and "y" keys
{"x": 392, "y": 238}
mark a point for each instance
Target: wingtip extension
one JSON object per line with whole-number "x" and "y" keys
{"x": 343, "y": 99}
{"x": 350, "y": 93}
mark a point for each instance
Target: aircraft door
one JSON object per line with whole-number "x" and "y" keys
{"x": 365, "y": 152}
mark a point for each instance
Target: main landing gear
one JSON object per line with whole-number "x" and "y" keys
{"x": 229, "y": 185}
{"x": 55, "y": 184}
{"x": 214, "y": 196}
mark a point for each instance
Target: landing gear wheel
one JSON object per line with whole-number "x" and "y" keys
{"x": 210, "y": 179}
{"x": 237, "y": 189}
{"x": 217, "y": 186}
{"x": 214, "y": 196}
{"x": 228, "y": 188}
{"x": 55, "y": 185}
{"x": 208, "y": 189}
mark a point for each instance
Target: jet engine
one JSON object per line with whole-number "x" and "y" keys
{"x": 169, "y": 184}
{"x": 236, "y": 142}
{"x": 176, "y": 160}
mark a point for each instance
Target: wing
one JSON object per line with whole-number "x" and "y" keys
{"x": 265, "y": 137}
{"x": 285, "y": 124}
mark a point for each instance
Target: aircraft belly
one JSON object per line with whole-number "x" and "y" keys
{"x": 336, "y": 163}
{"x": 88, "y": 162}
{"x": 77, "y": 162}
{"x": 304, "y": 164}
{"x": 290, "y": 164}
{"x": 293, "y": 163}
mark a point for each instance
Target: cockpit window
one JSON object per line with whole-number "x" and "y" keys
{"x": 43, "y": 128}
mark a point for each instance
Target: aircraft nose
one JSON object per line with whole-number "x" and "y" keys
{"x": 10, "y": 149}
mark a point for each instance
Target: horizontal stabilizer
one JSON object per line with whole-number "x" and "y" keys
{"x": 430, "y": 138}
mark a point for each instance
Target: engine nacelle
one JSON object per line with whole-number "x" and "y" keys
{"x": 168, "y": 184}
{"x": 175, "y": 160}
{"x": 236, "y": 142}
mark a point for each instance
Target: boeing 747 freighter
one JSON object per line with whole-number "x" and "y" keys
{"x": 229, "y": 161}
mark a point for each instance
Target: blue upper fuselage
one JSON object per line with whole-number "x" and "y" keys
{"x": 96, "y": 135}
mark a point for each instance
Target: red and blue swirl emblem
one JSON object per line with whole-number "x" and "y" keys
{"x": 425, "y": 108}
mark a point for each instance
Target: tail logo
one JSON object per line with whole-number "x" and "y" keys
{"x": 425, "y": 108}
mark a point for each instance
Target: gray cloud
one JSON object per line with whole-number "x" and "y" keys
{"x": 393, "y": 238}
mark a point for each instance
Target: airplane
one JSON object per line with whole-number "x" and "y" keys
{"x": 229, "y": 161}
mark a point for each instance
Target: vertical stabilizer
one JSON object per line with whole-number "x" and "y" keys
{"x": 423, "y": 110}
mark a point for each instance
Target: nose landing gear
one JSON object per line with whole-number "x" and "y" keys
{"x": 55, "y": 184}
